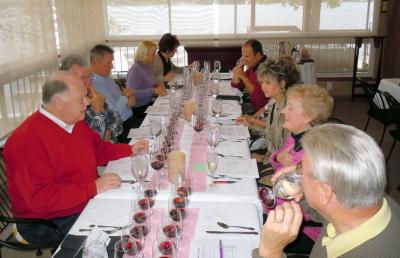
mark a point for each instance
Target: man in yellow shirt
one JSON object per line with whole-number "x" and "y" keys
{"x": 344, "y": 180}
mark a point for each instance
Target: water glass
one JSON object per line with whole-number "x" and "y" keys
{"x": 214, "y": 136}
{"x": 215, "y": 77}
{"x": 140, "y": 168}
{"x": 94, "y": 249}
{"x": 217, "y": 65}
{"x": 155, "y": 126}
{"x": 212, "y": 162}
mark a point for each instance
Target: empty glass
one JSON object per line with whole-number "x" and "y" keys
{"x": 212, "y": 162}
{"x": 206, "y": 65}
{"x": 217, "y": 108}
{"x": 217, "y": 65}
{"x": 155, "y": 126}
{"x": 214, "y": 90}
{"x": 214, "y": 136}
{"x": 215, "y": 77}
{"x": 140, "y": 168}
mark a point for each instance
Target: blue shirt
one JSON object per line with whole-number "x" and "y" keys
{"x": 113, "y": 95}
{"x": 141, "y": 80}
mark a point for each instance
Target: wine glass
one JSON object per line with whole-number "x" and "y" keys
{"x": 212, "y": 162}
{"x": 164, "y": 249}
{"x": 217, "y": 108}
{"x": 217, "y": 65}
{"x": 139, "y": 213}
{"x": 286, "y": 187}
{"x": 214, "y": 90}
{"x": 135, "y": 234}
{"x": 206, "y": 65}
{"x": 167, "y": 231}
{"x": 215, "y": 77}
{"x": 214, "y": 136}
{"x": 140, "y": 168}
{"x": 155, "y": 126}
{"x": 157, "y": 159}
{"x": 125, "y": 246}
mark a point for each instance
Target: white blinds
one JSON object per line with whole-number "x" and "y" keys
{"x": 80, "y": 25}
{"x": 228, "y": 18}
{"x": 27, "y": 39}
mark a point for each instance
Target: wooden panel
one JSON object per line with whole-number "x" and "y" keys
{"x": 227, "y": 55}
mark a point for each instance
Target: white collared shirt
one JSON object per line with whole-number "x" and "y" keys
{"x": 50, "y": 116}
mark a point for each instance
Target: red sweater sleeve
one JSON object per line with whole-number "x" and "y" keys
{"x": 106, "y": 151}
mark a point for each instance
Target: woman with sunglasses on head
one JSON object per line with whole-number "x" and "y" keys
{"x": 276, "y": 78}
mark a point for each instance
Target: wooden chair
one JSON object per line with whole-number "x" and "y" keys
{"x": 7, "y": 220}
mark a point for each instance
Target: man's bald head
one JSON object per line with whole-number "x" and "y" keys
{"x": 58, "y": 83}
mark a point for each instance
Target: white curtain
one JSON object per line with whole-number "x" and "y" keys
{"x": 80, "y": 25}
{"x": 27, "y": 38}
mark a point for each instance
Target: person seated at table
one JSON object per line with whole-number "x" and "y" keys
{"x": 276, "y": 77}
{"x": 52, "y": 160}
{"x": 307, "y": 106}
{"x": 100, "y": 117}
{"x": 141, "y": 79}
{"x": 343, "y": 179}
{"x": 163, "y": 69}
{"x": 252, "y": 56}
{"x": 101, "y": 63}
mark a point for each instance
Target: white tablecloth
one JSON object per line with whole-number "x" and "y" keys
{"x": 391, "y": 86}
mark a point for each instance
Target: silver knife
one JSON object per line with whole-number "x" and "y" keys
{"x": 231, "y": 232}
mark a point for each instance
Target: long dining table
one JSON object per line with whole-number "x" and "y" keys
{"x": 234, "y": 203}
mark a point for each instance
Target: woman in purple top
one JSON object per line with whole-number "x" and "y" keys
{"x": 140, "y": 78}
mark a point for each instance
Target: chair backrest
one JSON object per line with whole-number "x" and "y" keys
{"x": 5, "y": 204}
{"x": 390, "y": 100}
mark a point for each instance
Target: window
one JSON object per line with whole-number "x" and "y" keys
{"x": 224, "y": 18}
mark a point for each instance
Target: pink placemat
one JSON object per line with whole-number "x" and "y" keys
{"x": 189, "y": 229}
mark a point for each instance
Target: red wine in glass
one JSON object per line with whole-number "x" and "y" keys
{"x": 166, "y": 247}
{"x": 137, "y": 230}
{"x": 150, "y": 193}
{"x": 198, "y": 127}
{"x": 145, "y": 202}
{"x": 130, "y": 247}
{"x": 184, "y": 191}
{"x": 179, "y": 202}
{"x": 170, "y": 230}
{"x": 157, "y": 164}
{"x": 140, "y": 217}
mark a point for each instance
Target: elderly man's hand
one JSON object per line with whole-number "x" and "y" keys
{"x": 127, "y": 92}
{"x": 280, "y": 229}
{"x": 141, "y": 146}
{"x": 107, "y": 181}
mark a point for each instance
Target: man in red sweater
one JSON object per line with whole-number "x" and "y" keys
{"x": 252, "y": 56}
{"x": 52, "y": 160}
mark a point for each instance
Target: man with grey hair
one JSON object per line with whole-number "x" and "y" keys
{"x": 101, "y": 64}
{"x": 52, "y": 160}
{"x": 344, "y": 180}
{"x": 99, "y": 115}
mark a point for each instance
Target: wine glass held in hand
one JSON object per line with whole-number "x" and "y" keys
{"x": 288, "y": 185}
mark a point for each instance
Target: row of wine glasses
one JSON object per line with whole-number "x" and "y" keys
{"x": 206, "y": 65}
